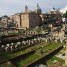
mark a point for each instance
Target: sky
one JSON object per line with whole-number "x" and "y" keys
{"x": 9, "y": 7}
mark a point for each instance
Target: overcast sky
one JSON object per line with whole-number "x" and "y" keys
{"x": 8, "y": 7}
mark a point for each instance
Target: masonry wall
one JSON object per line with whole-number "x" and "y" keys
{"x": 66, "y": 55}
{"x": 17, "y": 20}
{"x": 25, "y": 20}
{"x": 30, "y": 20}
{"x": 34, "y": 20}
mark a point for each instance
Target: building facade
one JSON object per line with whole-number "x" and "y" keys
{"x": 28, "y": 19}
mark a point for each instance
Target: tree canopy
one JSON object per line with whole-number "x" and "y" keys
{"x": 65, "y": 15}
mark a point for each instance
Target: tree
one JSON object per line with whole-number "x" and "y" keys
{"x": 65, "y": 15}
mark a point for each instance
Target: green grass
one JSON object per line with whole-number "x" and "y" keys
{"x": 55, "y": 58}
{"x": 46, "y": 48}
{"x": 12, "y": 55}
{"x": 38, "y": 54}
{"x": 18, "y": 53}
{"x": 29, "y": 59}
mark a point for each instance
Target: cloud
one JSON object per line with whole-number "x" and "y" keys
{"x": 8, "y": 7}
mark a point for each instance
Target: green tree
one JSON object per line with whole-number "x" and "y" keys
{"x": 65, "y": 15}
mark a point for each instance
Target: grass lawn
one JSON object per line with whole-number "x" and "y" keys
{"x": 18, "y": 53}
{"x": 34, "y": 57}
{"x": 52, "y": 61}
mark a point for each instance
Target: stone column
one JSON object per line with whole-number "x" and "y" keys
{"x": 66, "y": 55}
